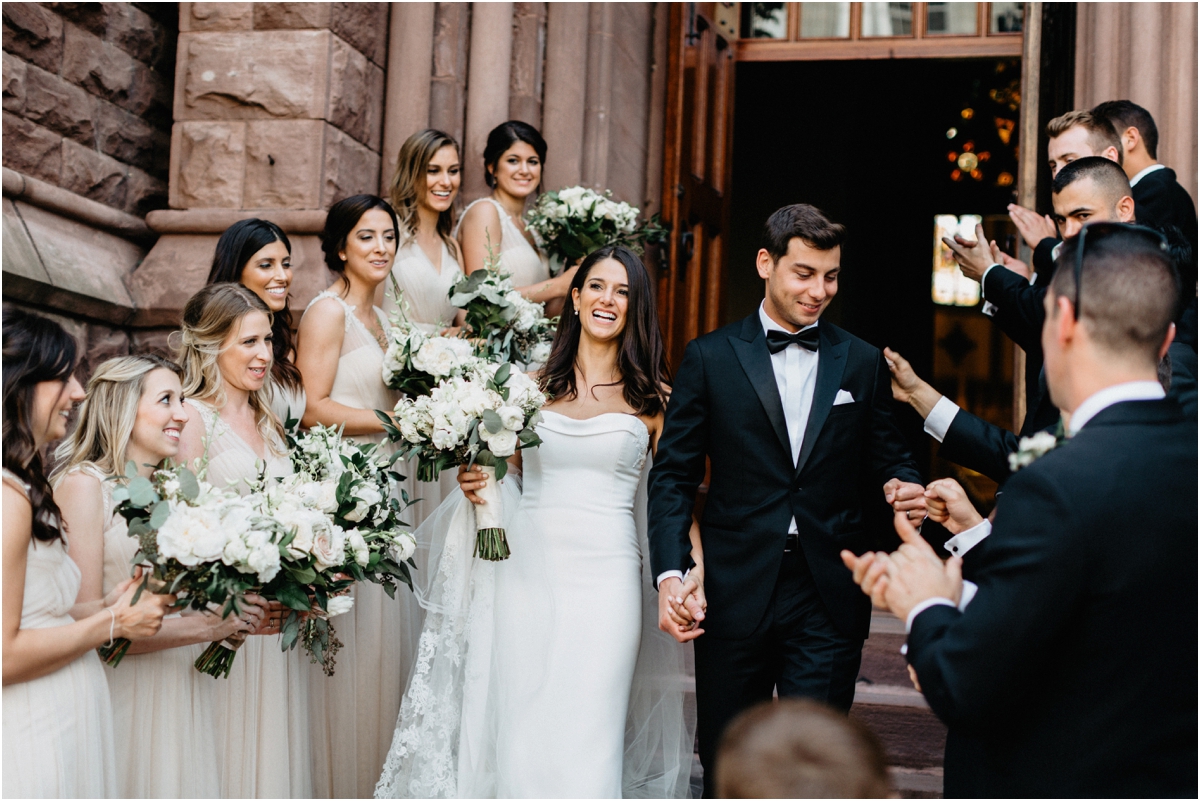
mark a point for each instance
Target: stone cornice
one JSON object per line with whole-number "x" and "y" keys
{"x": 19, "y": 186}
{"x": 215, "y": 221}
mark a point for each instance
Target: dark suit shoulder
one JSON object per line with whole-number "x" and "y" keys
{"x": 857, "y": 344}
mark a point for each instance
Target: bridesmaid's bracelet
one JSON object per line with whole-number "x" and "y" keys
{"x": 111, "y": 626}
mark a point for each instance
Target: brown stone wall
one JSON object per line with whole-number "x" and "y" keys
{"x": 87, "y": 98}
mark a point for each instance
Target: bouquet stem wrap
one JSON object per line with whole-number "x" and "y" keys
{"x": 217, "y": 659}
{"x": 490, "y": 542}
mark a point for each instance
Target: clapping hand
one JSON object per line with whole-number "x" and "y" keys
{"x": 974, "y": 257}
{"x": 949, "y": 505}
{"x": 1033, "y": 226}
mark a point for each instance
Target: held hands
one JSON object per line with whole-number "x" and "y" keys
{"x": 680, "y": 610}
{"x": 906, "y": 497}
{"x": 948, "y": 505}
{"x": 1033, "y": 226}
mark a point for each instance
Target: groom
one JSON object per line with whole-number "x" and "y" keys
{"x": 795, "y": 418}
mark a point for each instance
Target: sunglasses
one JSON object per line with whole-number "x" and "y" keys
{"x": 1098, "y": 230}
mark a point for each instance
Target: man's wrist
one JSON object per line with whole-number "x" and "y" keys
{"x": 921, "y": 607}
{"x": 923, "y": 399}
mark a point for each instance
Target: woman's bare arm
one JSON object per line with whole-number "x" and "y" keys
{"x": 322, "y": 331}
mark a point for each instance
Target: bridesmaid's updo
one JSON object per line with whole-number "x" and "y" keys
{"x": 504, "y": 136}
{"x": 36, "y": 349}
{"x": 642, "y": 359}
{"x": 340, "y": 222}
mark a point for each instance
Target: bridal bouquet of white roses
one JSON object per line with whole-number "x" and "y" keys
{"x": 509, "y": 327}
{"x": 205, "y": 546}
{"x": 573, "y": 222}
{"x": 415, "y": 361}
{"x": 482, "y": 418}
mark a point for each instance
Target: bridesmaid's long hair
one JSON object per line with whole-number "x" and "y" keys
{"x": 36, "y": 349}
{"x": 108, "y": 414}
{"x": 642, "y": 359}
{"x": 208, "y": 318}
{"x": 409, "y": 181}
{"x": 234, "y": 250}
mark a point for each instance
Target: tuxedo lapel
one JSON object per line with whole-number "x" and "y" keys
{"x": 750, "y": 347}
{"x": 831, "y": 364}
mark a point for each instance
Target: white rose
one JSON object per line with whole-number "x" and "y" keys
{"x": 442, "y": 356}
{"x": 539, "y": 354}
{"x": 503, "y": 443}
{"x": 405, "y": 546}
{"x": 318, "y": 495}
{"x": 300, "y": 522}
{"x": 512, "y": 417}
{"x": 339, "y": 605}
{"x": 358, "y": 546}
{"x": 329, "y": 545}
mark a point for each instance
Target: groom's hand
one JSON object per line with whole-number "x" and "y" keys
{"x": 670, "y": 591}
{"x": 904, "y": 496}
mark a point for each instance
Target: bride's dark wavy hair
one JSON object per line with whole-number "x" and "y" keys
{"x": 641, "y": 360}
{"x": 36, "y": 349}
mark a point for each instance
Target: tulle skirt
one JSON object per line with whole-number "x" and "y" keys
{"x": 58, "y": 734}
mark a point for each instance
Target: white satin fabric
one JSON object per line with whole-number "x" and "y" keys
{"x": 545, "y": 675}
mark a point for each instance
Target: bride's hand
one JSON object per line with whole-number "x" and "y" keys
{"x": 471, "y": 480}
{"x": 691, "y": 611}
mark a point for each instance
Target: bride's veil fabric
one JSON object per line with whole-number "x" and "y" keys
{"x": 445, "y": 741}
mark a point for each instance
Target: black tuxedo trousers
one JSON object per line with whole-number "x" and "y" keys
{"x": 793, "y": 621}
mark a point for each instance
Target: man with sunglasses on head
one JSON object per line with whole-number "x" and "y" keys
{"x": 1071, "y": 672}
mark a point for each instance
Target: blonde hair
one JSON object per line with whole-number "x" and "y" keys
{"x": 1101, "y": 134}
{"x": 108, "y": 414}
{"x": 208, "y": 319}
{"x": 405, "y": 192}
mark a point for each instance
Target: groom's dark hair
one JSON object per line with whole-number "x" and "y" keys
{"x": 800, "y": 220}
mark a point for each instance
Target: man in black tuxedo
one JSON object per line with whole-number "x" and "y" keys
{"x": 1072, "y": 669}
{"x": 1161, "y": 201}
{"x": 794, "y": 416}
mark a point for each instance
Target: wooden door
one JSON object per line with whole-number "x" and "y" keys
{"x": 696, "y": 165}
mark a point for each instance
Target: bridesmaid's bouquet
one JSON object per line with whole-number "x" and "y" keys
{"x": 509, "y": 326}
{"x": 482, "y": 418}
{"x": 415, "y": 361}
{"x": 207, "y": 547}
{"x": 573, "y": 222}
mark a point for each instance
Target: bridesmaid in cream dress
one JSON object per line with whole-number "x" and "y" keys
{"x": 162, "y": 706}
{"x": 58, "y": 724}
{"x": 513, "y": 161}
{"x": 428, "y": 174}
{"x": 261, "y": 710}
{"x": 258, "y": 255}
{"x": 340, "y": 354}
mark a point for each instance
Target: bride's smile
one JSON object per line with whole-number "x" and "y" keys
{"x": 603, "y": 301}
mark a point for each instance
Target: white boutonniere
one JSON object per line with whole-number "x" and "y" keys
{"x": 1031, "y": 449}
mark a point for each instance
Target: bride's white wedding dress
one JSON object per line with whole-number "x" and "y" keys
{"x": 545, "y": 675}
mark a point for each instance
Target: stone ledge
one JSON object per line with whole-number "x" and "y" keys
{"x": 215, "y": 221}
{"x": 68, "y": 204}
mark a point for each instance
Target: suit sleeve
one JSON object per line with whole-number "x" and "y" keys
{"x": 678, "y": 466}
{"x": 1019, "y": 310}
{"x": 889, "y": 455}
{"x": 979, "y": 445}
{"x": 972, "y": 663}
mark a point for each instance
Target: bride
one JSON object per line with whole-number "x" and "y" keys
{"x": 545, "y": 675}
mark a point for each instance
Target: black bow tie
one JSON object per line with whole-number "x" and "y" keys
{"x": 778, "y": 340}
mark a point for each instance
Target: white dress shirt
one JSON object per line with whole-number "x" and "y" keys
{"x": 795, "y": 370}
{"x": 1083, "y": 414}
{"x": 1152, "y": 168}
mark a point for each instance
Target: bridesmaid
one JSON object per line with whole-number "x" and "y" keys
{"x": 424, "y": 188}
{"x": 340, "y": 355}
{"x": 162, "y": 706}
{"x": 513, "y": 160}
{"x": 58, "y": 724}
{"x": 258, "y": 255}
{"x": 428, "y": 174}
{"x": 261, "y": 710}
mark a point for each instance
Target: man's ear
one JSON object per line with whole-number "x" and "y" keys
{"x": 1112, "y": 154}
{"x": 1063, "y": 319}
{"x": 1167, "y": 340}
{"x": 764, "y": 262}
{"x": 1125, "y": 209}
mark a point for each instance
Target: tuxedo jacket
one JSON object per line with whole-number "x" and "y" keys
{"x": 1161, "y": 202}
{"x": 725, "y": 408}
{"x": 1073, "y": 670}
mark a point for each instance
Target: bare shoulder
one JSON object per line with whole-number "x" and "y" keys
{"x": 18, "y": 512}
{"x": 324, "y": 319}
{"x": 78, "y": 484}
{"x": 481, "y": 215}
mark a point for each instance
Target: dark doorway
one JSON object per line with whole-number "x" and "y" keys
{"x": 875, "y": 144}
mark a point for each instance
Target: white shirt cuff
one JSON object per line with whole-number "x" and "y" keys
{"x": 668, "y": 574}
{"x": 990, "y": 309}
{"x": 921, "y": 607}
{"x": 940, "y": 417}
{"x": 968, "y": 593}
{"x": 964, "y": 541}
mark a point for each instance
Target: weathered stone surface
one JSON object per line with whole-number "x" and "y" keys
{"x": 21, "y": 259}
{"x": 14, "y": 84}
{"x": 55, "y": 104}
{"x": 528, "y": 57}
{"x": 275, "y": 16}
{"x": 144, "y": 193}
{"x": 121, "y": 24}
{"x": 93, "y": 175}
{"x": 350, "y": 168}
{"x": 364, "y": 26}
{"x": 355, "y": 94}
{"x": 31, "y": 149}
{"x": 216, "y": 16}
{"x": 153, "y": 340}
{"x": 283, "y": 164}
{"x": 257, "y": 75}
{"x": 34, "y": 33}
{"x": 103, "y": 343}
{"x": 162, "y": 154}
{"x": 447, "y": 91}
{"x": 125, "y": 136}
{"x": 109, "y": 72}
{"x": 207, "y": 165}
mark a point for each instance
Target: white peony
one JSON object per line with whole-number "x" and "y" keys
{"x": 442, "y": 356}
{"x": 191, "y": 535}
{"x": 319, "y": 495}
{"x": 539, "y": 353}
{"x": 339, "y": 605}
{"x": 300, "y": 522}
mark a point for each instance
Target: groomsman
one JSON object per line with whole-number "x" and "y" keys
{"x": 794, "y": 415}
{"x": 1072, "y": 670}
